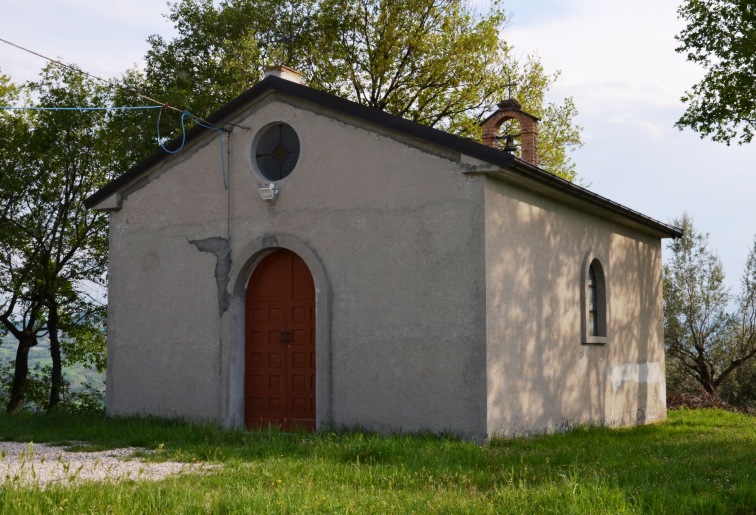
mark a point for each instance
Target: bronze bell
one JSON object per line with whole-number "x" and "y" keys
{"x": 509, "y": 145}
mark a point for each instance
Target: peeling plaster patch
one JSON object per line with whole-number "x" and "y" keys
{"x": 270, "y": 241}
{"x": 650, "y": 373}
{"x": 219, "y": 247}
{"x": 150, "y": 261}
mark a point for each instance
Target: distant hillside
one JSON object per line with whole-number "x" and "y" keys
{"x": 40, "y": 354}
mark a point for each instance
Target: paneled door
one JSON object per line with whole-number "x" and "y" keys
{"x": 280, "y": 344}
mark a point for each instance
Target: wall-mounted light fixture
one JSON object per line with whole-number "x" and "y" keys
{"x": 268, "y": 192}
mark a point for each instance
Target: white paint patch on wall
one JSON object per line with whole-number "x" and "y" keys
{"x": 635, "y": 372}
{"x": 650, "y": 373}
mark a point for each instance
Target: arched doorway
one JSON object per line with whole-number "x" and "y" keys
{"x": 280, "y": 344}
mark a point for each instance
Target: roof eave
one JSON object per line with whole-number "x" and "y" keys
{"x": 504, "y": 161}
{"x": 533, "y": 174}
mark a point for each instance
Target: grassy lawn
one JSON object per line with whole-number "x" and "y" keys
{"x": 698, "y": 462}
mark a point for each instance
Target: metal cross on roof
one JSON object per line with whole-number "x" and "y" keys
{"x": 509, "y": 86}
{"x": 289, "y": 36}
{"x": 288, "y": 44}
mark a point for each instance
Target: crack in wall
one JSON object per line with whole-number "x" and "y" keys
{"x": 219, "y": 248}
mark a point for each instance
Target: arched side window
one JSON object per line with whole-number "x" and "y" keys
{"x": 594, "y": 301}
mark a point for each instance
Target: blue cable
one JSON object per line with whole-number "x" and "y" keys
{"x": 184, "y": 115}
{"x": 183, "y": 133}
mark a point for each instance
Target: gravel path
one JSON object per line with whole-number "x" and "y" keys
{"x": 28, "y": 464}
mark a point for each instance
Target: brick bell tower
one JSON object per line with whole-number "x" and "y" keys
{"x": 511, "y": 109}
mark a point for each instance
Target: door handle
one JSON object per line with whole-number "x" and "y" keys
{"x": 285, "y": 336}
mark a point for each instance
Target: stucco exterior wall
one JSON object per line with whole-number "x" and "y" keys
{"x": 395, "y": 232}
{"x": 540, "y": 375}
{"x": 447, "y": 300}
{"x": 163, "y": 320}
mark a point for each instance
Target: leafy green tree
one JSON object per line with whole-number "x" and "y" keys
{"x": 740, "y": 387}
{"x": 702, "y": 338}
{"x": 720, "y": 35}
{"x": 21, "y": 303}
{"x": 13, "y": 127}
{"x": 437, "y": 62}
{"x": 53, "y": 248}
{"x": 741, "y": 384}
{"x": 84, "y": 399}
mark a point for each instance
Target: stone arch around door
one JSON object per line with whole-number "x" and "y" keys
{"x": 244, "y": 260}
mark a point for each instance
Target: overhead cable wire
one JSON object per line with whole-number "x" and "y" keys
{"x": 114, "y": 108}
{"x": 184, "y": 113}
{"x": 115, "y": 84}
{"x": 222, "y": 156}
{"x": 184, "y": 116}
{"x": 79, "y": 70}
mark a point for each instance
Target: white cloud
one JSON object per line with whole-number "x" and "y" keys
{"x": 138, "y": 13}
{"x": 103, "y": 37}
{"x": 653, "y": 130}
{"x": 610, "y": 52}
{"x": 617, "y": 60}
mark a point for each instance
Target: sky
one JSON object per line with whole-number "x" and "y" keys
{"x": 616, "y": 59}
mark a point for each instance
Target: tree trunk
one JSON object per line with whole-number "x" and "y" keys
{"x": 704, "y": 374}
{"x": 709, "y": 388}
{"x": 20, "y": 374}
{"x": 705, "y": 381}
{"x": 56, "y": 377}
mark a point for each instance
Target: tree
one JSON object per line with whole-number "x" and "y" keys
{"x": 706, "y": 341}
{"x": 437, "y": 62}
{"x": 741, "y": 384}
{"x": 720, "y": 35}
{"x": 21, "y": 304}
{"x": 52, "y": 247}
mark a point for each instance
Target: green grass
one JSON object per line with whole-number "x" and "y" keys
{"x": 697, "y": 462}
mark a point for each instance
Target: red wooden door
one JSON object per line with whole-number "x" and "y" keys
{"x": 280, "y": 344}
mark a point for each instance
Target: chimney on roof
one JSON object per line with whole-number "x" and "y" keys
{"x": 511, "y": 109}
{"x": 284, "y": 72}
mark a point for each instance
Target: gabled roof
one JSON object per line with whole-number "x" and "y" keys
{"x": 523, "y": 172}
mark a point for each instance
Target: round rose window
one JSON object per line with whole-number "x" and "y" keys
{"x": 277, "y": 151}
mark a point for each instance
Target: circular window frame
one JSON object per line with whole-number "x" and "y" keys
{"x": 261, "y": 176}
